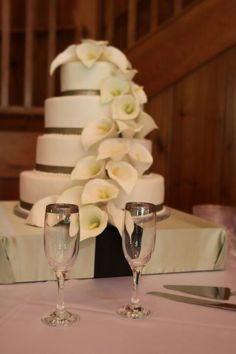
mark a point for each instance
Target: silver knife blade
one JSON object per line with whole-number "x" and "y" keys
{"x": 212, "y": 292}
{"x": 194, "y": 301}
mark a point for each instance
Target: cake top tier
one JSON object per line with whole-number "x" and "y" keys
{"x": 85, "y": 66}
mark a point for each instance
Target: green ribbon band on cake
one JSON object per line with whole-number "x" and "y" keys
{"x": 69, "y": 131}
{"x": 80, "y": 92}
{"x": 53, "y": 169}
{"x": 28, "y": 206}
{"x": 25, "y": 205}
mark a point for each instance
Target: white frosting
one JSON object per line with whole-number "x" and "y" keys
{"x": 149, "y": 188}
{"x": 59, "y": 150}
{"x": 36, "y": 185}
{"x": 74, "y": 111}
{"x": 67, "y": 150}
{"x": 76, "y": 76}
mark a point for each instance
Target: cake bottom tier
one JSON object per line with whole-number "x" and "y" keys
{"x": 35, "y": 185}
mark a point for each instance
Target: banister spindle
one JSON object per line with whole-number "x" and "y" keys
{"x": 109, "y": 20}
{"x": 177, "y": 7}
{"x": 154, "y": 15}
{"x": 29, "y": 38}
{"x": 5, "y": 64}
{"x": 132, "y": 17}
{"x": 52, "y": 23}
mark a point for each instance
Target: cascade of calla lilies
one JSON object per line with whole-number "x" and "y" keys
{"x": 113, "y": 162}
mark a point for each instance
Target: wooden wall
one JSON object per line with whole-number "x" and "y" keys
{"x": 195, "y": 147}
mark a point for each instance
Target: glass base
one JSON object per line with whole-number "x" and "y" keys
{"x": 57, "y": 319}
{"x": 130, "y": 311}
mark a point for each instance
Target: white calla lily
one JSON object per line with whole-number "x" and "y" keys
{"x": 93, "y": 221}
{"x": 128, "y": 74}
{"x": 37, "y": 213}
{"x": 66, "y": 56}
{"x": 115, "y": 216}
{"x": 128, "y": 128}
{"x": 88, "y": 53}
{"x": 115, "y": 56}
{"x": 92, "y": 41}
{"x": 125, "y": 107}
{"x": 98, "y": 190}
{"x": 71, "y": 195}
{"x": 139, "y": 93}
{"x": 148, "y": 124}
{"x": 87, "y": 168}
{"x": 114, "y": 149}
{"x": 112, "y": 87}
{"x": 97, "y": 131}
{"x": 123, "y": 173}
{"x": 140, "y": 157}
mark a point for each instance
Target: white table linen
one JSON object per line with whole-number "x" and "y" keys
{"x": 173, "y": 328}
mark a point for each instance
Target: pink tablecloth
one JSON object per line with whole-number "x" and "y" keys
{"x": 172, "y": 328}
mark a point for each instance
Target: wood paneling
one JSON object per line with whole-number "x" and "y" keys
{"x": 196, "y": 161}
{"x": 17, "y": 152}
{"x": 197, "y": 153}
{"x": 228, "y": 182}
{"x": 161, "y": 109}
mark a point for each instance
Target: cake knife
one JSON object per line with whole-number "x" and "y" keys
{"x": 195, "y": 301}
{"x": 212, "y": 292}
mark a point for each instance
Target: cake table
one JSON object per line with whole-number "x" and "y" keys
{"x": 184, "y": 243}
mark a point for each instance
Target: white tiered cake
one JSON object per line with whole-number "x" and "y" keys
{"x": 94, "y": 133}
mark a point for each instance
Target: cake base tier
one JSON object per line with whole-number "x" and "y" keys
{"x": 35, "y": 185}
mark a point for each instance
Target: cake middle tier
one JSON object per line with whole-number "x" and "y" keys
{"x": 72, "y": 112}
{"x": 59, "y": 150}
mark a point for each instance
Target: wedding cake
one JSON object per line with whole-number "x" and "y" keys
{"x": 94, "y": 151}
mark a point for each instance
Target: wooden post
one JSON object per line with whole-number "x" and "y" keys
{"x": 109, "y": 20}
{"x": 154, "y": 15}
{"x": 132, "y": 17}
{"x": 5, "y": 53}
{"x": 87, "y": 15}
{"x": 29, "y": 39}
{"x": 177, "y": 7}
{"x": 52, "y": 23}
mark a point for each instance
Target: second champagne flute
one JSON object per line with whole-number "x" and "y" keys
{"x": 138, "y": 243}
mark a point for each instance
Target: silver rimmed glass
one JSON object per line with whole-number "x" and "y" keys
{"x": 138, "y": 241}
{"x": 61, "y": 244}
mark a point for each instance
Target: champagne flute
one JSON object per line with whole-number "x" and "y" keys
{"x": 138, "y": 243}
{"x": 61, "y": 245}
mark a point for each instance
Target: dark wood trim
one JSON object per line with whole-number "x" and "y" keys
{"x": 21, "y": 110}
{"x": 183, "y": 45}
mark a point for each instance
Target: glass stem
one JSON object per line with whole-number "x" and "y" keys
{"x": 60, "y": 294}
{"x": 135, "y": 297}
